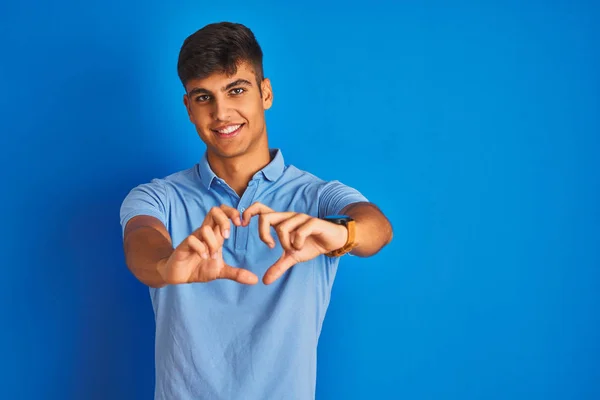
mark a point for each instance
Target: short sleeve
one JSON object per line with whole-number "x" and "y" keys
{"x": 146, "y": 199}
{"x": 335, "y": 196}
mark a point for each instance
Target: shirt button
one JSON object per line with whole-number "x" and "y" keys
{"x": 242, "y": 209}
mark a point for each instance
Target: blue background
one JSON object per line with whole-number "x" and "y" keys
{"x": 474, "y": 126}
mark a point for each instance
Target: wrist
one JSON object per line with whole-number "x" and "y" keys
{"x": 343, "y": 236}
{"x": 161, "y": 267}
{"x": 347, "y": 231}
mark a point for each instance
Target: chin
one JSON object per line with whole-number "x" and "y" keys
{"x": 227, "y": 153}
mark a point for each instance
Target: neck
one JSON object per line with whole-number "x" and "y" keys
{"x": 237, "y": 171}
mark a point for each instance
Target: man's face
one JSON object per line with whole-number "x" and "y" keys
{"x": 229, "y": 112}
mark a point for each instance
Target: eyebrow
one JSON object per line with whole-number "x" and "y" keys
{"x": 237, "y": 82}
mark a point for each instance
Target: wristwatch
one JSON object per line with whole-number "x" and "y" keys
{"x": 349, "y": 223}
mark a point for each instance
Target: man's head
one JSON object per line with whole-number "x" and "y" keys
{"x": 220, "y": 67}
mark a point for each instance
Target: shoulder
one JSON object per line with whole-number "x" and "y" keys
{"x": 300, "y": 182}
{"x": 159, "y": 188}
{"x": 327, "y": 197}
{"x": 154, "y": 197}
{"x": 184, "y": 177}
{"x": 295, "y": 174}
{"x": 305, "y": 178}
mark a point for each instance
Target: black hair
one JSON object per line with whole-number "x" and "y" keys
{"x": 219, "y": 47}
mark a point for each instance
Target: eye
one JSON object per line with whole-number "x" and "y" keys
{"x": 237, "y": 91}
{"x": 202, "y": 98}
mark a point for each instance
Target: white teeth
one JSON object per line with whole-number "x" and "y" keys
{"x": 229, "y": 129}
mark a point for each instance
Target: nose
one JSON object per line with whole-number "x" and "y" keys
{"x": 221, "y": 111}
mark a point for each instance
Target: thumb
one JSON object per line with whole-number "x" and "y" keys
{"x": 239, "y": 275}
{"x": 274, "y": 272}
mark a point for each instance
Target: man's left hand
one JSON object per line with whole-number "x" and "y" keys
{"x": 302, "y": 236}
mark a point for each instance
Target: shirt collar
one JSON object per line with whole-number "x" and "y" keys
{"x": 271, "y": 171}
{"x": 275, "y": 168}
{"x": 206, "y": 173}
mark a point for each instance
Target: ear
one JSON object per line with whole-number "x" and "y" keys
{"x": 267, "y": 93}
{"x": 186, "y": 103}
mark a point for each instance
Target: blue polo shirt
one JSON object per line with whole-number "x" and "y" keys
{"x": 222, "y": 339}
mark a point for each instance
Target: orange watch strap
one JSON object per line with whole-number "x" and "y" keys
{"x": 350, "y": 243}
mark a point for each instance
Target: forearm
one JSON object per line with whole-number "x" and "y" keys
{"x": 373, "y": 229}
{"x": 145, "y": 248}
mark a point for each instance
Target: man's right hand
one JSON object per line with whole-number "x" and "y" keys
{"x": 199, "y": 258}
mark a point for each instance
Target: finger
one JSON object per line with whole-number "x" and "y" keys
{"x": 275, "y": 271}
{"x": 255, "y": 209}
{"x": 285, "y": 229}
{"x": 205, "y": 225}
{"x": 238, "y": 274}
{"x": 264, "y": 230}
{"x": 196, "y": 245}
{"x": 265, "y": 221}
{"x": 210, "y": 238}
{"x": 218, "y": 220}
{"x": 221, "y": 220}
{"x": 232, "y": 213}
{"x": 310, "y": 227}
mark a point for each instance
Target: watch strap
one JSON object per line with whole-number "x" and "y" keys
{"x": 350, "y": 243}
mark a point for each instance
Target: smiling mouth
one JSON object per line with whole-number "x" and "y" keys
{"x": 228, "y": 131}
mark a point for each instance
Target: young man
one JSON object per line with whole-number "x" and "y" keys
{"x": 202, "y": 238}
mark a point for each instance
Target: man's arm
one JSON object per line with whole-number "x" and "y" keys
{"x": 373, "y": 229}
{"x": 146, "y": 244}
{"x": 304, "y": 237}
{"x": 150, "y": 255}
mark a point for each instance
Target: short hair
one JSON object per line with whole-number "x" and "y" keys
{"x": 219, "y": 47}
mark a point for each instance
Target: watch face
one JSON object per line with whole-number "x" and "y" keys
{"x": 339, "y": 219}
